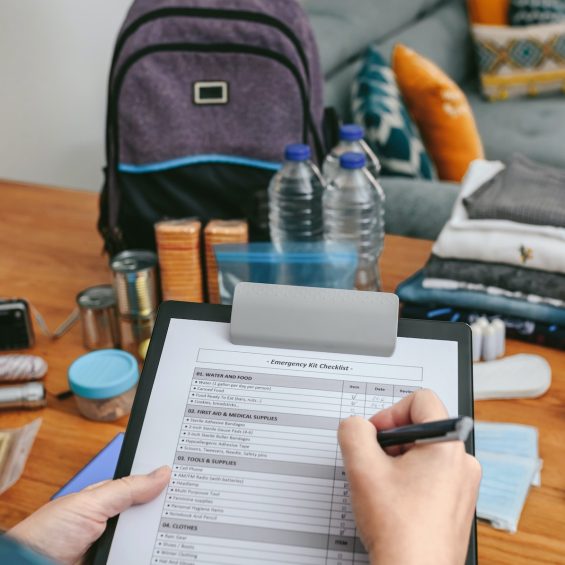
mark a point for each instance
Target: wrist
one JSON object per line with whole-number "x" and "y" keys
{"x": 19, "y": 536}
{"x": 415, "y": 552}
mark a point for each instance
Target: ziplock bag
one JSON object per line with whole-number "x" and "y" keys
{"x": 320, "y": 264}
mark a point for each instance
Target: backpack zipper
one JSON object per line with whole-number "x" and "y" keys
{"x": 112, "y": 125}
{"x": 244, "y": 15}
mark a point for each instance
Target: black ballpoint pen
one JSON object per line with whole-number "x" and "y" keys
{"x": 452, "y": 429}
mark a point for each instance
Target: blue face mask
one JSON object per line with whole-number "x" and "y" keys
{"x": 508, "y": 454}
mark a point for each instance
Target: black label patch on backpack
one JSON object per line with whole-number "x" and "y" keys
{"x": 206, "y": 92}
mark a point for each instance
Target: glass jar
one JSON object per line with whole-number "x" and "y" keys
{"x": 104, "y": 383}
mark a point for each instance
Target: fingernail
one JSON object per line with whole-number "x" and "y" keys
{"x": 164, "y": 469}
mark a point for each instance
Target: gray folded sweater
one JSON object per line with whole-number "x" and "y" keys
{"x": 525, "y": 192}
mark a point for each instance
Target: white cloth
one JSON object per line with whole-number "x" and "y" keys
{"x": 449, "y": 284}
{"x": 498, "y": 241}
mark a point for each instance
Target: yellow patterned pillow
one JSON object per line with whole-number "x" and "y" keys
{"x": 520, "y": 61}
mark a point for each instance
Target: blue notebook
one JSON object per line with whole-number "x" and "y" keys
{"x": 100, "y": 468}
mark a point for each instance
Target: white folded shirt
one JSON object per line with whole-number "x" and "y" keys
{"x": 498, "y": 241}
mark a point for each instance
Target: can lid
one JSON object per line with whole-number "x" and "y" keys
{"x": 103, "y": 374}
{"x": 350, "y": 132}
{"x": 97, "y": 297}
{"x": 352, "y": 160}
{"x": 134, "y": 260}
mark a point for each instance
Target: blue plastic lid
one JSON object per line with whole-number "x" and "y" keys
{"x": 350, "y": 132}
{"x": 297, "y": 152}
{"x": 352, "y": 160}
{"x": 103, "y": 374}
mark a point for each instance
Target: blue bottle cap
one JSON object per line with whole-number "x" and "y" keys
{"x": 103, "y": 374}
{"x": 297, "y": 152}
{"x": 352, "y": 160}
{"x": 350, "y": 132}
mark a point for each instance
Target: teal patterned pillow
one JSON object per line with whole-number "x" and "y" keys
{"x": 532, "y": 12}
{"x": 389, "y": 130}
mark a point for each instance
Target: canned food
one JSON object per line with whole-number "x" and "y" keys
{"x": 97, "y": 305}
{"x": 135, "y": 282}
{"x": 134, "y": 331}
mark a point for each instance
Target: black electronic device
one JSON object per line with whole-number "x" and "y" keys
{"x": 16, "y": 330}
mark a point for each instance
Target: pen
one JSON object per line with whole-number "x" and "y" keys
{"x": 452, "y": 429}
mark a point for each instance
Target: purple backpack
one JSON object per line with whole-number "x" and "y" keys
{"x": 203, "y": 96}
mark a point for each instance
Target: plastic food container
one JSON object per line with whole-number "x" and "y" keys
{"x": 104, "y": 383}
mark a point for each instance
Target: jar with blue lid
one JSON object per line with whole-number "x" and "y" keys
{"x": 104, "y": 383}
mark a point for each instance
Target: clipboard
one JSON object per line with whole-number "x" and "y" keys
{"x": 258, "y": 314}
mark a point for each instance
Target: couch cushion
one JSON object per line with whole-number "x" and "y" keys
{"x": 344, "y": 29}
{"x": 532, "y": 126}
{"x": 417, "y": 208}
{"x": 443, "y": 36}
{"x": 337, "y": 90}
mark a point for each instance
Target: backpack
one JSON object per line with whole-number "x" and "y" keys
{"x": 203, "y": 96}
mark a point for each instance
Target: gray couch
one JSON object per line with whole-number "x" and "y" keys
{"x": 439, "y": 30}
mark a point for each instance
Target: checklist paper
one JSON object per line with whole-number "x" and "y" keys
{"x": 250, "y": 433}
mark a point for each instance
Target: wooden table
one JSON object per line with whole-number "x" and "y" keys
{"x": 50, "y": 250}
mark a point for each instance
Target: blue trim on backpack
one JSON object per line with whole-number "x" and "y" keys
{"x": 198, "y": 160}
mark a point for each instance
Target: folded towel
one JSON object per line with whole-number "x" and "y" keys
{"x": 412, "y": 290}
{"x": 508, "y": 277}
{"x": 498, "y": 241}
{"x": 449, "y": 284}
{"x": 524, "y": 191}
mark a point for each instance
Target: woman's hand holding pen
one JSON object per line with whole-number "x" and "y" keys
{"x": 415, "y": 505}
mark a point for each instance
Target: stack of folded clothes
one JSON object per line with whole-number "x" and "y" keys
{"x": 502, "y": 253}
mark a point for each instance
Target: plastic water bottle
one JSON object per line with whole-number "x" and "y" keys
{"x": 295, "y": 199}
{"x": 350, "y": 140}
{"x": 354, "y": 213}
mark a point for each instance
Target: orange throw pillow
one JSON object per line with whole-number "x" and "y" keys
{"x": 489, "y": 12}
{"x": 441, "y": 112}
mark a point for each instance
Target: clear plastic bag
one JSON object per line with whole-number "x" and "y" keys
{"x": 301, "y": 264}
{"x": 15, "y": 446}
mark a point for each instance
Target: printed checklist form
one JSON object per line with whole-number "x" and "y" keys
{"x": 250, "y": 433}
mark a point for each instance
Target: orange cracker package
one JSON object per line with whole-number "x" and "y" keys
{"x": 216, "y": 232}
{"x": 178, "y": 246}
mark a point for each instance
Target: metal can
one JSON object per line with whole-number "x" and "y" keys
{"x": 134, "y": 331}
{"x": 135, "y": 282}
{"x": 97, "y": 305}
